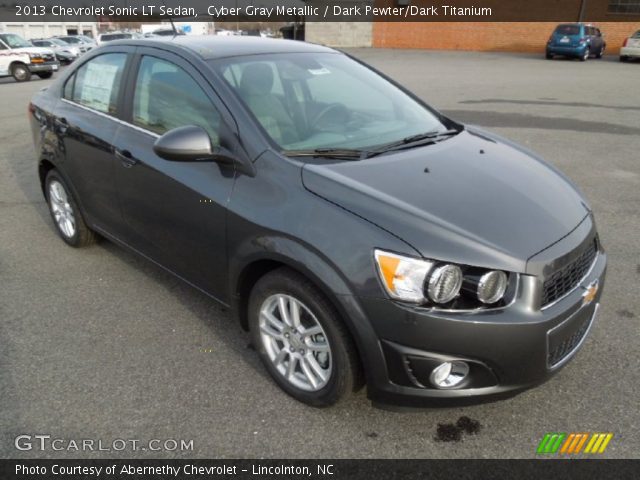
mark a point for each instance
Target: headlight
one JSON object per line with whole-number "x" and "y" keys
{"x": 403, "y": 277}
{"x": 492, "y": 286}
{"x": 445, "y": 285}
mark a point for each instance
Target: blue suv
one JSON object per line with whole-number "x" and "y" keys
{"x": 576, "y": 40}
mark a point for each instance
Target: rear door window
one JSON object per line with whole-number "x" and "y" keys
{"x": 97, "y": 83}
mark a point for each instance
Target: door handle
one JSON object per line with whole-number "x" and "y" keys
{"x": 61, "y": 125}
{"x": 126, "y": 158}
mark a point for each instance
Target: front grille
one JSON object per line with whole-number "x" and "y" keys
{"x": 568, "y": 277}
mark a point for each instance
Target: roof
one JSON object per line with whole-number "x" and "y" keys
{"x": 214, "y": 46}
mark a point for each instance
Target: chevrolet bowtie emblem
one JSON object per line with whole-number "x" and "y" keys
{"x": 590, "y": 294}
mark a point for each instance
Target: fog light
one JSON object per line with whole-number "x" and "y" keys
{"x": 449, "y": 374}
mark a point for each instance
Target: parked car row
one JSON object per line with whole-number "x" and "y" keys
{"x": 20, "y": 59}
{"x": 160, "y": 32}
{"x": 583, "y": 41}
{"x": 66, "y": 48}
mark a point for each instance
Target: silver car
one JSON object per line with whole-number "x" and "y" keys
{"x": 65, "y": 53}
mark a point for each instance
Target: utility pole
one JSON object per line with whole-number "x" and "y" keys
{"x": 583, "y": 6}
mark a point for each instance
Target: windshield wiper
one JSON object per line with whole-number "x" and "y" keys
{"x": 413, "y": 141}
{"x": 346, "y": 153}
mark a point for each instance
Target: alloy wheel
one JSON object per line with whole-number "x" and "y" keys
{"x": 295, "y": 342}
{"x": 61, "y": 209}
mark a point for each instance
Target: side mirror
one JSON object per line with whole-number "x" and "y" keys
{"x": 190, "y": 144}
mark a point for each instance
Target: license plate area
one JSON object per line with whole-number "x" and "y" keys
{"x": 565, "y": 339}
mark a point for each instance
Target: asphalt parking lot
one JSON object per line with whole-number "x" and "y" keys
{"x": 100, "y": 344}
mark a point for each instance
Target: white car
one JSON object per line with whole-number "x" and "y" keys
{"x": 630, "y": 47}
{"x": 19, "y": 59}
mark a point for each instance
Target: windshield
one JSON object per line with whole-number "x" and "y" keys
{"x": 56, "y": 41}
{"x": 319, "y": 101}
{"x": 14, "y": 41}
{"x": 568, "y": 30}
{"x": 71, "y": 40}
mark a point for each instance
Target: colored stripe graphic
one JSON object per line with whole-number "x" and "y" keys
{"x": 551, "y": 442}
{"x": 572, "y": 443}
{"x": 598, "y": 442}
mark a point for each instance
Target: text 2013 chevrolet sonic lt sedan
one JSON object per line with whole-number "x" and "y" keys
{"x": 358, "y": 234}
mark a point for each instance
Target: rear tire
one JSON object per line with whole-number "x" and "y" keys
{"x": 318, "y": 369}
{"x": 585, "y": 55}
{"x": 601, "y": 52}
{"x": 45, "y": 75}
{"x": 624, "y": 58}
{"x": 20, "y": 72}
{"x": 549, "y": 56}
{"x": 65, "y": 213}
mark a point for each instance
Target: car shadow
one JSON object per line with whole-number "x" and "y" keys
{"x": 486, "y": 118}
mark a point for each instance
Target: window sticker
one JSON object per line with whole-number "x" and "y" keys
{"x": 97, "y": 86}
{"x": 319, "y": 71}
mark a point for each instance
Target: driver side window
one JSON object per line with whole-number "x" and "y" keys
{"x": 167, "y": 97}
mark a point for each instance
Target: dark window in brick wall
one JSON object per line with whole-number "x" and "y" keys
{"x": 624, "y": 6}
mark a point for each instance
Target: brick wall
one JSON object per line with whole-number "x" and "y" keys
{"x": 339, "y": 34}
{"x": 485, "y": 36}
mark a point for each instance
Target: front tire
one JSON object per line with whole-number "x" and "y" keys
{"x": 549, "y": 56}
{"x": 20, "y": 72}
{"x": 624, "y": 58}
{"x": 65, "y": 213}
{"x": 301, "y": 340}
{"x": 601, "y": 52}
{"x": 45, "y": 75}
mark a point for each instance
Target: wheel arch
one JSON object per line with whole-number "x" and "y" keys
{"x": 17, "y": 62}
{"x": 44, "y": 167}
{"x": 315, "y": 269}
{"x": 247, "y": 273}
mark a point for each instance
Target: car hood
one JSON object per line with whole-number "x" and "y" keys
{"x": 474, "y": 199}
{"x": 40, "y": 50}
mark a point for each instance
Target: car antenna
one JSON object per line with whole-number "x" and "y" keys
{"x": 173, "y": 26}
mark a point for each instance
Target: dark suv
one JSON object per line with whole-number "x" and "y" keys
{"x": 576, "y": 40}
{"x": 358, "y": 234}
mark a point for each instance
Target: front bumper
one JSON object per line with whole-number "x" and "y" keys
{"x": 630, "y": 52}
{"x": 66, "y": 57}
{"x": 567, "y": 51}
{"x": 508, "y": 350}
{"x": 44, "y": 67}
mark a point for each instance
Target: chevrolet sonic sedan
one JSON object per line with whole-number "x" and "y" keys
{"x": 359, "y": 235}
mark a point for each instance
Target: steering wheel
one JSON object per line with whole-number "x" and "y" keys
{"x": 339, "y": 114}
